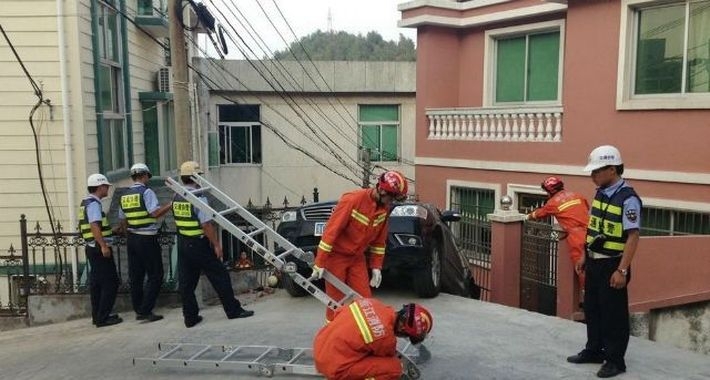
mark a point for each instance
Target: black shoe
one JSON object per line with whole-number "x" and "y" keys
{"x": 148, "y": 317}
{"x": 585, "y": 356}
{"x": 191, "y": 322}
{"x": 609, "y": 369}
{"x": 110, "y": 321}
{"x": 242, "y": 314}
{"x": 112, "y": 316}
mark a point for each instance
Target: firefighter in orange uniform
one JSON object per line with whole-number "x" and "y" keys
{"x": 358, "y": 225}
{"x": 361, "y": 341}
{"x": 572, "y": 212}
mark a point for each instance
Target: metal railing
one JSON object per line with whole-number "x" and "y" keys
{"x": 44, "y": 265}
{"x": 473, "y": 237}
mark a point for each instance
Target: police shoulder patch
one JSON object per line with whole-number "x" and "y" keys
{"x": 631, "y": 215}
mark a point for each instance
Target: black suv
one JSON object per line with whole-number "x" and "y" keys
{"x": 420, "y": 247}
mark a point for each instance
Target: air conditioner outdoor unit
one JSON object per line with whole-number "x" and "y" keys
{"x": 165, "y": 79}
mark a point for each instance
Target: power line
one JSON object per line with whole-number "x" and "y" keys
{"x": 293, "y": 104}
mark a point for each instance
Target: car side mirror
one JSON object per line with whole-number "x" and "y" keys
{"x": 450, "y": 216}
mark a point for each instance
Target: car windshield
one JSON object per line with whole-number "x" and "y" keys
{"x": 402, "y": 224}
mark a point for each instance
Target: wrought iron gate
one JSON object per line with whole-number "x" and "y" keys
{"x": 538, "y": 268}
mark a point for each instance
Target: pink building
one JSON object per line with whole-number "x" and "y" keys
{"x": 511, "y": 91}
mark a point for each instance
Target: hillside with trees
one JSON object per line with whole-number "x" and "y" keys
{"x": 343, "y": 46}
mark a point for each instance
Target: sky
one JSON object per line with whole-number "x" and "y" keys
{"x": 307, "y": 16}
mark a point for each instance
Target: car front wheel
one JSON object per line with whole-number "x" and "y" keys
{"x": 291, "y": 287}
{"x": 427, "y": 283}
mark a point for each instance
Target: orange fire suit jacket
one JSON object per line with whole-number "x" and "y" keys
{"x": 358, "y": 224}
{"x": 570, "y": 209}
{"x": 359, "y": 332}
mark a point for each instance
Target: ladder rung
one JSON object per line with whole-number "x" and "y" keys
{"x": 201, "y": 190}
{"x": 281, "y": 256}
{"x": 256, "y": 232}
{"x": 197, "y": 355}
{"x": 228, "y": 211}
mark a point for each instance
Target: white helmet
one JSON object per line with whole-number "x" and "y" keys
{"x": 601, "y": 156}
{"x": 97, "y": 180}
{"x": 140, "y": 168}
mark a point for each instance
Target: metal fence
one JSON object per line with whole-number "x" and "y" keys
{"x": 473, "y": 237}
{"x": 538, "y": 267}
{"x": 44, "y": 265}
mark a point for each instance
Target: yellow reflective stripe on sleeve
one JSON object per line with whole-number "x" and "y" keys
{"x": 325, "y": 246}
{"x": 360, "y": 217}
{"x": 361, "y": 323}
{"x": 379, "y": 220}
{"x": 568, "y": 204}
{"x": 616, "y": 210}
{"x": 377, "y": 250}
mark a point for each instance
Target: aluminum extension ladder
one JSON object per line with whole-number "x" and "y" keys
{"x": 269, "y": 359}
{"x": 263, "y": 360}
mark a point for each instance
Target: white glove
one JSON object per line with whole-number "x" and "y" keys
{"x": 376, "y": 278}
{"x": 317, "y": 273}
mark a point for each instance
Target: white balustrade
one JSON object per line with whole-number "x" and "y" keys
{"x": 524, "y": 124}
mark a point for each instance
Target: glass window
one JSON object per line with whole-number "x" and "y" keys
{"x": 159, "y": 136}
{"x": 527, "y": 67}
{"x": 379, "y": 131}
{"x": 112, "y": 126}
{"x": 672, "y": 54}
{"x": 239, "y": 133}
{"x": 669, "y": 222}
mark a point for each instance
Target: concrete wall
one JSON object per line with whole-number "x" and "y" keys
{"x": 450, "y": 73}
{"x": 327, "y": 124}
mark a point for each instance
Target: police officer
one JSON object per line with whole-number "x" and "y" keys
{"x": 612, "y": 238}
{"x": 138, "y": 212}
{"x": 96, "y": 231}
{"x": 195, "y": 234}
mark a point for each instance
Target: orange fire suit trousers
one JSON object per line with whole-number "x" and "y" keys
{"x": 576, "y": 240}
{"x": 352, "y": 270}
{"x": 375, "y": 367}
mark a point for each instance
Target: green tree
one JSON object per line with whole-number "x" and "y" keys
{"x": 343, "y": 46}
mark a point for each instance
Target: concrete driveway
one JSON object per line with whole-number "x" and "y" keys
{"x": 470, "y": 340}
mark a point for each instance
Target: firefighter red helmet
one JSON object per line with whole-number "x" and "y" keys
{"x": 394, "y": 183}
{"x": 552, "y": 185}
{"x": 416, "y": 322}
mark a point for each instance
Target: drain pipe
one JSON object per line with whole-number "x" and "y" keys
{"x": 68, "y": 147}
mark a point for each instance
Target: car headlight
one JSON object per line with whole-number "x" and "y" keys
{"x": 288, "y": 216}
{"x": 409, "y": 210}
{"x": 408, "y": 240}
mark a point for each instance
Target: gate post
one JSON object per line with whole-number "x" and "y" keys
{"x": 506, "y": 238}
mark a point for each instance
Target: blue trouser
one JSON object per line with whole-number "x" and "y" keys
{"x": 144, "y": 260}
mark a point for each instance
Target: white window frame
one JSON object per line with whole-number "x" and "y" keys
{"x": 240, "y": 124}
{"x": 118, "y": 98}
{"x": 625, "y": 99}
{"x": 490, "y": 51}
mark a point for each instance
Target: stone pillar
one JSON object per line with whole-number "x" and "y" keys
{"x": 506, "y": 241}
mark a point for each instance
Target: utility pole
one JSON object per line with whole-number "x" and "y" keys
{"x": 181, "y": 88}
{"x": 366, "y": 168}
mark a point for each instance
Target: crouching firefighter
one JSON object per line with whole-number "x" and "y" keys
{"x": 361, "y": 341}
